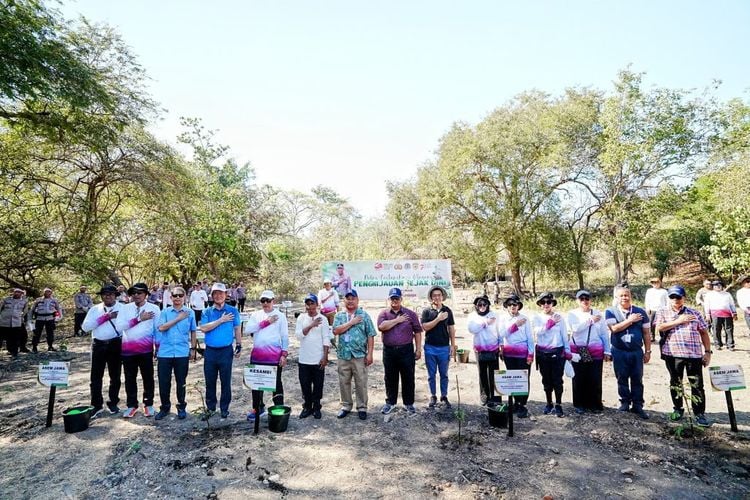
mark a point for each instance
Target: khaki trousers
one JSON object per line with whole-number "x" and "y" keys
{"x": 348, "y": 369}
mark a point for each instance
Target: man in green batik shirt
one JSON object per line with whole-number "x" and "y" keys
{"x": 356, "y": 341}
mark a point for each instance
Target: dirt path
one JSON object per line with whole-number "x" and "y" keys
{"x": 591, "y": 456}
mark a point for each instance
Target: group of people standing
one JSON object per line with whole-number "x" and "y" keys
{"x": 587, "y": 338}
{"x": 131, "y": 327}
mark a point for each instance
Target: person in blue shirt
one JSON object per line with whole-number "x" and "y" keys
{"x": 175, "y": 341}
{"x": 630, "y": 332}
{"x": 221, "y": 324}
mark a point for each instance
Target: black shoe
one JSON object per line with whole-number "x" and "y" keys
{"x": 97, "y": 412}
{"x": 624, "y": 407}
{"x": 433, "y": 402}
{"x": 162, "y": 414}
{"x": 548, "y": 409}
{"x": 305, "y": 413}
{"x": 559, "y": 411}
{"x": 317, "y": 415}
{"x": 34, "y": 350}
{"x": 362, "y": 415}
{"x": 446, "y": 403}
{"x": 640, "y": 413}
{"x": 342, "y": 413}
{"x": 522, "y": 412}
{"x": 51, "y": 349}
{"x": 113, "y": 408}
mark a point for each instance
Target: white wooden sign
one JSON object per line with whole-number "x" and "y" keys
{"x": 512, "y": 382}
{"x": 260, "y": 377}
{"x": 727, "y": 377}
{"x": 54, "y": 373}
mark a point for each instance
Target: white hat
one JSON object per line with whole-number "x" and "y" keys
{"x": 267, "y": 294}
{"x": 218, "y": 287}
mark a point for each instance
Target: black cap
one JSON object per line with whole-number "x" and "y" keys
{"x": 138, "y": 287}
{"x": 108, "y": 289}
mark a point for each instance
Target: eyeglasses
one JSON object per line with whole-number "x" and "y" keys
{"x": 178, "y": 295}
{"x": 265, "y": 301}
{"x": 545, "y": 301}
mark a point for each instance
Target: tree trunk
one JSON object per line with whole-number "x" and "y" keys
{"x": 618, "y": 266}
{"x": 515, "y": 273}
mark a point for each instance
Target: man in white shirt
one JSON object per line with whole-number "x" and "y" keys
{"x": 656, "y": 298}
{"x": 743, "y": 299}
{"x": 198, "y": 299}
{"x": 166, "y": 296}
{"x": 329, "y": 301}
{"x": 313, "y": 333}
{"x": 137, "y": 322}
{"x": 106, "y": 349}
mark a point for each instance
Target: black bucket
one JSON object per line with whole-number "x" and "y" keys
{"x": 76, "y": 419}
{"x": 498, "y": 413}
{"x": 278, "y": 418}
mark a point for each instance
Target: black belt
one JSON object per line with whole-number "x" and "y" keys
{"x": 110, "y": 341}
{"x": 398, "y": 346}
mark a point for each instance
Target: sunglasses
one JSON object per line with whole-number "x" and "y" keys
{"x": 395, "y": 298}
{"x": 584, "y": 297}
{"x": 483, "y": 304}
{"x": 676, "y": 297}
{"x": 265, "y": 301}
{"x": 545, "y": 302}
{"x": 513, "y": 304}
{"x": 178, "y": 295}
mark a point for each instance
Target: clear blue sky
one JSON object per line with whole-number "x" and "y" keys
{"x": 353, "y": 93}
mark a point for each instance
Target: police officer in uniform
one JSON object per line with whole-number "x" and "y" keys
{"x": 46, "y": 312}
{"x": 12, "y": 312}
{"x": 83, "y": 303}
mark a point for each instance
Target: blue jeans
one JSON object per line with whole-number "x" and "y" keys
{"x": 437, "y": 358}
{"x": 218, "y": 362}
{"x": 628, "y": 367}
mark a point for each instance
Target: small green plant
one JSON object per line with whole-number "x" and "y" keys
{"x": 201, "y": 410}
{"x": 688, "y": 427}
{"x": 459, "y": 412}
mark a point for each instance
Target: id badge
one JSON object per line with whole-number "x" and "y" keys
{"x": 347, "y": 338}
{"x": 627, "y": 338}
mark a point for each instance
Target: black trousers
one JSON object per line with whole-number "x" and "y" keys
{"x": 399, "y": 362}
{"x": 587, "y": 385}
{"x": 48, "y": 325}
{"x": 198, "y": 315}
{"x": 694, "y": 368}
{"x": 13, "y": 336}
{"x": 727, "y": 325}
{"x": 131, "y": 365}
{"x": 241, "y": 304}
{"x": 77, "y": 322}
{"x": 518, "y": 364}
{"x": 105, "y": 354}
{"x": 311, "y": 379}
{"x": 552, "y": 367}
{"x": 258, "y": 395}
{"x": 165, "y": 367}
{"x": 487, "y": 378}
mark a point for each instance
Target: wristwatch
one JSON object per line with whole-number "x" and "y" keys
{"x": 709, "y": 352}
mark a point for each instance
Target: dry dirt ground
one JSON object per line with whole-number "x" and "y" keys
{"x": 612, "y": 455}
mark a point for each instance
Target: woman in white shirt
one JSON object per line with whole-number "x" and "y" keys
{"x": 552, "y": 350}
{"x": 589, "y": 337}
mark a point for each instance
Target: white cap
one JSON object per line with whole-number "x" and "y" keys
{"x": 218, "y": 287}
{"x": 267, "y": 294}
